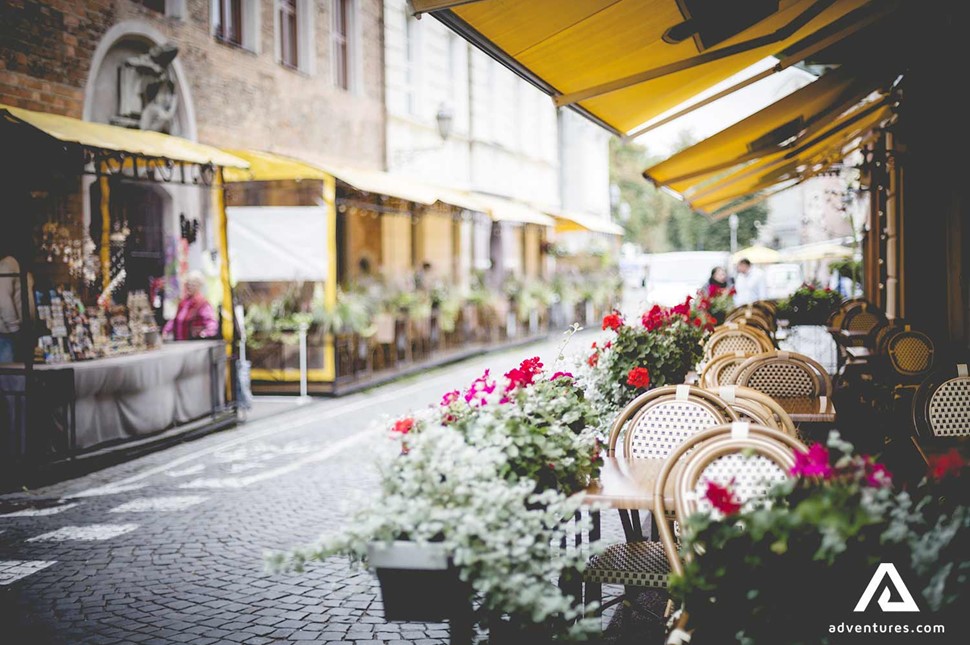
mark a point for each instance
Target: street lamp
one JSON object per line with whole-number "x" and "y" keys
{"x": 444, "y": 120}
{"x": 733, "y": 223}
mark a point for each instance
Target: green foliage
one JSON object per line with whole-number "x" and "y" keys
{"x": 809, "y": 305}
{"x": 659, "y": 222}
{"x": 788, "y": 565}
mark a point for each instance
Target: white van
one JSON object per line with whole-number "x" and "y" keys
{"x": 671, "y": 277}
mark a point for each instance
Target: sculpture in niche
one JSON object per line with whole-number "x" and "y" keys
{"x": 147, "y": 98}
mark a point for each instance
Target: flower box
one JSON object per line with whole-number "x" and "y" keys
{"x": 418, "y": 581}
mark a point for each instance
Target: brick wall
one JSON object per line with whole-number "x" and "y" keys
{"x": 241, "y": 98}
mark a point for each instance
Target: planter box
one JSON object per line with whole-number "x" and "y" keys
{"x": 418, "y": 582}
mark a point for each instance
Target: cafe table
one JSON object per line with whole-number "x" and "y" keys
{"x": 627, "y": 485}
{"x": 858, "y": 353}
{"x": 808, "y": 409}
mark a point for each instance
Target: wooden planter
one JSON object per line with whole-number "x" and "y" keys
{"x": 418, "y": 582}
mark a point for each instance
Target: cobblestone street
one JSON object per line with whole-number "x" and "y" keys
{"x": 169, "y": 548}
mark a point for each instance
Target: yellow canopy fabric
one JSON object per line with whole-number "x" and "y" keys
{"x": 268, "y": 166}
{"x": 618, "y": 61}
{"x": 790, "y": 164}
{"x": 756, "y": 255}
{"x": 765, "y": 131}
{"x": 111, "y": 137}
{"x": 567, "y": 222}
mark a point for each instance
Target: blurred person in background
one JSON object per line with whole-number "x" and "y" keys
{"x": 195, "y": 318}
{"x": 749, "y": 283}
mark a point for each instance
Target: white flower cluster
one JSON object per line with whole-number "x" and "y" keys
{"x": 504, "y": 539}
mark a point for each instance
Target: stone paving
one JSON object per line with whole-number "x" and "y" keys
{"x": 169, "y": 548}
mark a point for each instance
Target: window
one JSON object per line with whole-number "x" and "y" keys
{"x": 236, "y": 22}
{"x": 289, "y": 34}
{"x": 154, "y": 5}
{"x": 229, "y": 21}
{"x": 412, "y": 37}
{"x": 342, "y": 45}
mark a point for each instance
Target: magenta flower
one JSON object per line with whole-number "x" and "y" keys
{"x": 561, "y": 375}
{"x": 877, "y": 475}
{"x": 814, "y": 463}
{"x": 449, "y": 398}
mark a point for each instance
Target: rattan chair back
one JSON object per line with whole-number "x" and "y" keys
{"x": 910, "y": 353}
{"x": 742, "y": 339}
{"x": 863, "y": 318}
{"x": 748, "y": 403}
{"x": 941, "y": 405}
{"x": 784, "y": 374}
{"x": 721, "y": 370}
{"x": 657, "y": 421}
{"x": 751, "y": 456}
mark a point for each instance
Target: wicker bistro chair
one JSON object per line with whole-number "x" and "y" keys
{"x": 754, "y": 325}
{"x": 785, "y": 374}
{"x": 941, "y": 405}
{"x": 910, "y": 353}
{"x": 654, "y": 424}
{"x": 863, "y": 318}
{"x": 721, "y": 370}
{"x": 742, "y": 339}
{"x": 753, "y": 457}
{"x": 769, "y": 307}
{"x": 752, "y": 315}
{"x": 756, "y": 407}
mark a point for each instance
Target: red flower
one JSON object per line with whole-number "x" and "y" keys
{"x": 404, "y": 426}
{"x": 698, "y": 322}
{"x": 732, "y": 291}
{"x": 449, "y": 398}
{"x": 593, "y": 359}
{"x": 612, "y": 321}
{"x": 722, "y": 498}
{"x": 949, "y": 464}
{"x": 639, "y": 377}
{"x": 608, "y": 344}
{"x": 561, "y": 375}
{"x": 593, "y": 346}
{"x": 524, "y": 374}
{"x": 814, "y": 463}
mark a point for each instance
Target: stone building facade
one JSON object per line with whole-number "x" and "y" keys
{"x": 236, "y": 86}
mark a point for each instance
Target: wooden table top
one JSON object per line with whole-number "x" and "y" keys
{"x": 628, "y": 484}
{"x": 808, "y": 409}
{"x": 930, "y": 447}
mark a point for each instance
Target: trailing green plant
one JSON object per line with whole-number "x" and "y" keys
{"x": 809, "y": 305}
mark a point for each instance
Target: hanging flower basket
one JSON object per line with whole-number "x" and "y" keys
{"x": 418, "y": 581}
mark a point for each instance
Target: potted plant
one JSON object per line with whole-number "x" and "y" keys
{"x": 473, "y": 497}
{"x": 716, "y": 301}
{"x": 809, "y": 305}
{"x": 791, "y": 567}
{"x": 658, "y": 349}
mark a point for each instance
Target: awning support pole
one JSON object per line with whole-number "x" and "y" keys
{"x": 105, "y": 189}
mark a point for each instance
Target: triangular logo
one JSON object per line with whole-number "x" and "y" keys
{"x": 905, "y": 604}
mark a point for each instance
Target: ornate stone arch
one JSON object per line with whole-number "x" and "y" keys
{"x": 135, "y": 31}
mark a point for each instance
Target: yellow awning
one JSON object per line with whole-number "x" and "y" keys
{"x": 268, "y": 166}
{"x": 567, "y": 222}
{"x": 624, "y": 62}
{"x": 831, "y": 146}
{"x": 505, "y": 210}
{"x": 792, "y": 118}
{"x": 111, "y": 137}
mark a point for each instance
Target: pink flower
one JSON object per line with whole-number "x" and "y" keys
{"x": 814, "y": 463}
{"x": 946, "y": 465}
{"x": 638, "y": 377}
{"x": 561, "y": 375}
{"x": 877, "y": 475}
{"x": 449, "y": 398}
{"x": 612, "y": 321}
{"x": 722, "y": 498}
{"x": 404, "y": 426}
{"x": 480, "y": 386}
